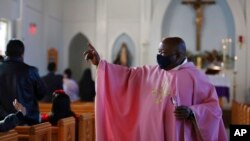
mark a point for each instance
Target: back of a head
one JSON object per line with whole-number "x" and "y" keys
{"x": 87, "y": 86}
{"x": 87, "y": 76}
{"x": 15, "y": 48}
{"x": 60, "y": 107}
{"x": 51, "y": 67}
{"x": 60, "y": 102}
{"x": 176, "y": 44}
{"x": 68, "y": 72}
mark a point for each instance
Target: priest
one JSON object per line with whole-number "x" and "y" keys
{"x": 171, "y": 101}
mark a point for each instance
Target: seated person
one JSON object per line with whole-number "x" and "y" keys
{"x": 12, "y": 120}
{"x": 53, "y": 82}
{"x": 70, "y": 86}
{"x": 87, "y": 87}
{"x": 60, "y": 108}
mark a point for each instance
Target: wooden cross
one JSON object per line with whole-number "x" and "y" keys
{"x": 198, "y": 7}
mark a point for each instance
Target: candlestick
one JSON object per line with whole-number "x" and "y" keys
{"x": 235, "y": 63}
{"x": 199, "y": 62}
{"x": 229, "y": 47}
{"x": 224, "y": 47}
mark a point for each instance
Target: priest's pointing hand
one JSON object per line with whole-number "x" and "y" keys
{"x": 92, "y": 54}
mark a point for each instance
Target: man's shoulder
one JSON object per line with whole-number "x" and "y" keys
{"x": 21, "y": 66}
{"x": 46, "y": 76}
{"x": 31, "y": 68}
{"x": 191, "y": 69}
{"x": 188, "y": 65}
{"x": 25, "y": 65}
{"x": 59, "y": 76}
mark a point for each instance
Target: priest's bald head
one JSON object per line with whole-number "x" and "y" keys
{"x": 172, "y": 52}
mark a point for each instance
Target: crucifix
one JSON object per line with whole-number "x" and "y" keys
{"x": 198, "y": 6}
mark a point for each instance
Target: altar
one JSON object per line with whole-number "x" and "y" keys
{"x": 222, "y": 85}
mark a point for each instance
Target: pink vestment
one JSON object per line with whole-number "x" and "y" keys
{"x": 134, "y": 104}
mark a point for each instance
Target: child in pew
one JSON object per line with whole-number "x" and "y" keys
{"x": 12, "y": 120}
{"x": 60, "y": 109}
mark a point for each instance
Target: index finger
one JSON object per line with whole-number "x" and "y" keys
{"x": 14, "y": 102}
{"x": 91, "y": 47}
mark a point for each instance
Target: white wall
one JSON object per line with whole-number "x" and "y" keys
{"x": 123, "y": 17}
{"x": 78, "y": 16}
{"x": 34, "y": 45}
{"x": 53, "y": 36}
{"x": 9, "y": 9}
{"x": 240, "y": 29}
{"x": 46, "y": 14}
{"x": 179, "y": 20}
{"x": 101, "y": 21}
{"x": 247, "y": 39}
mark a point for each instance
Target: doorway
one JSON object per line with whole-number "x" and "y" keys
{"x": 77, "y": 64}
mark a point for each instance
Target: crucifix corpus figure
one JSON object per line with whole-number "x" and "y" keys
{"x": 198, "y": 7}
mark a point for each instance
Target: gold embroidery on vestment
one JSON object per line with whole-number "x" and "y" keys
{"x": 161, "y": 92}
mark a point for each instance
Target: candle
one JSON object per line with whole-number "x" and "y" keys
{"x": 226, "y": 43}
{"x": 199, "y": 62}
{"x": 224, "y": 47}
{"x": 235, "y": 63}
{"x": 229, "y": 46}
{"x": 223, "y": 41}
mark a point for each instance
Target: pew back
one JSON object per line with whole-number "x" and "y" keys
{"x": 9, "y": 136}
{"x": 39, "y": 132}
{"x": 65, "y": 130}
{"x": 86, "y": 127}
{"x": 78, "y": 107}
{"x": 240, "y": 113}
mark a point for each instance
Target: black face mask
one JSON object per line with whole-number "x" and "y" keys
{"x": 164, "y": 61}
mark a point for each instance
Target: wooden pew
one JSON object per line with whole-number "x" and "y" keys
{"x": 86, "y": 127}
{"x": 234, "y": 112}
{"x": 248, "y": 116}
{"x": 240, "y": 113}
{"x": 9, "y": 136}
{"x": 45, "y": 107}
{"x": 65, "y": 130}
{"x": 86, "y": 107}
{"x": 39, "y": 132}
{"x": 78, "y": 107}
